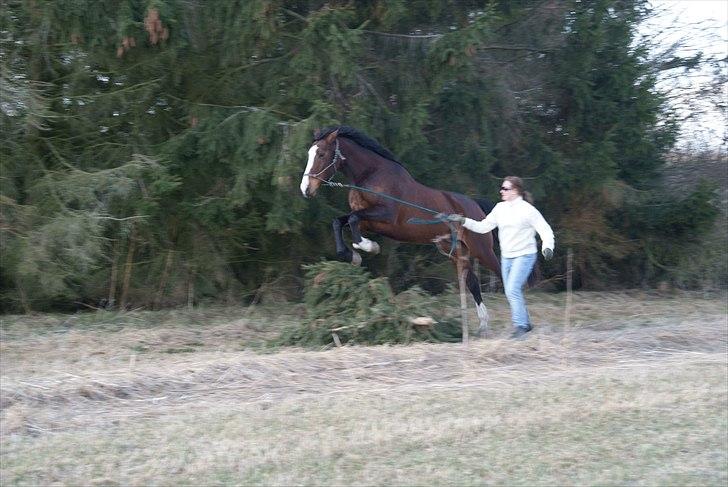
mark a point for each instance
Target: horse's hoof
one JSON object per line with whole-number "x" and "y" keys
{"x": 482, "y": 314}
{"x": 356, "y": 258}
{"x": 367, "y": 246}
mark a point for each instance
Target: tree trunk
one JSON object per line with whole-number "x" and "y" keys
{"x": 23, "y": 297}
{"x": 128, "y": 266}
{"x": 190, "y": 287}
{"x": 111, "y": 300}
{"x": 163, "y": 279}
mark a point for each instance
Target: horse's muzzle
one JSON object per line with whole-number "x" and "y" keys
{"x": 309, "y": 188}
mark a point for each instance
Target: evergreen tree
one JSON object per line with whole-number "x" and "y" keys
{"x": 152, "y": 149}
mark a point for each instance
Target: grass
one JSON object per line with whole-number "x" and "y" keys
{"x": 633, "y": 392}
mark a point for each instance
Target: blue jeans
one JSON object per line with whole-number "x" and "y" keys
{"x": 515, "y": 273}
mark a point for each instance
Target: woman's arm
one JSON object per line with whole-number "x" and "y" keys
{"x": 482, "y": 226}
{"x": 543, "y": 229}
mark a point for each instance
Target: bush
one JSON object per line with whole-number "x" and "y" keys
{"x": 345, "y": 301}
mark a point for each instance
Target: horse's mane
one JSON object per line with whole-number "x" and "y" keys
{"x": 360, "y": 138}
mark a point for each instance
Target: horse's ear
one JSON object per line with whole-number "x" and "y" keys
{"x": 332, "y": 136}
{"x": 316, "y": 134}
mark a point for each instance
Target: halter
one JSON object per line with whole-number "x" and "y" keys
{"x": 337, "y": 155}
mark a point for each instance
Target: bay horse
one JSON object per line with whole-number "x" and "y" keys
{"x": 368, "y": 165}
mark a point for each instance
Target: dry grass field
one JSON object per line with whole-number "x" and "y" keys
{"x": 633, "y": 392}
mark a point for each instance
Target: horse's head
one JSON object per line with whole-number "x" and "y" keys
{"x": 323, "y": 157}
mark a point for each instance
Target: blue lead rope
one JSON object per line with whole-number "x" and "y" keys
{"x": 453, "y": 230}
{"x": 383, "y": 195}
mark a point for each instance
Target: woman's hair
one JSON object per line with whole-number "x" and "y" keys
{"x": 517, "y": 183}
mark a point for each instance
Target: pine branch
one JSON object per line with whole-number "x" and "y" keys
{"x": 245, "y": 108}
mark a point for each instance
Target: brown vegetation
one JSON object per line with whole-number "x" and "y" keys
{"x": 637, "y": 369}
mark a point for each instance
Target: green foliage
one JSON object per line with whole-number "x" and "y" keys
{"x": 345, "y": 300}
{"x": 670, "y": 227}
{"x": 138, "y": 130}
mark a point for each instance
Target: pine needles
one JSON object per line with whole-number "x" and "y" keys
{"x": 346, "y": 305}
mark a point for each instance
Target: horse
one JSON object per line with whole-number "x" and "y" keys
{"x": 387, "y": 198}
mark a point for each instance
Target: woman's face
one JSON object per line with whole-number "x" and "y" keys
{"x": 508, "y": 192}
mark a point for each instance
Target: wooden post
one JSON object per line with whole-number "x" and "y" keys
{"x": 569, "y": 285}
{"x": 460, "y": 258}
{"x": 565, "y": 340}
{"x": 463, "y": 301}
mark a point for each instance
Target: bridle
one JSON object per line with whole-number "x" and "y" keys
{"x": 454, "y": 232}
{"x": 337, "y": 155}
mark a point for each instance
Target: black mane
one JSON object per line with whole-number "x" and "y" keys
{"x": 360, "y": 138}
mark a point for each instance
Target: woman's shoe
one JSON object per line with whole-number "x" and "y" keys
{"x": 520, "y": 332}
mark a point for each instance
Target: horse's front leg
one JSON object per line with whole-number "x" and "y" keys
{"x": 343, "y": 253}
{"x": 359, "y": 242}
{"x": 376, "y": 213}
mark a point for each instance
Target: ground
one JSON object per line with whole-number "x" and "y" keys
{"x": 632, "y": 391}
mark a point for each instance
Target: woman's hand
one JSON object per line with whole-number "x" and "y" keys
{"x": 547, "y": 253}
{"x": 450, "y": 217}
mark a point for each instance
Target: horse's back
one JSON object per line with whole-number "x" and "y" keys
{"x": 485, "y": 204}
{"x": 474, "y": 208}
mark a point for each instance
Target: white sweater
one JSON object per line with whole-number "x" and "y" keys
{"x": 517, "y": 222}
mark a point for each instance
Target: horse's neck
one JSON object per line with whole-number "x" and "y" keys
{"x": 361, "y": 163}
{"x": 356, "y": 170}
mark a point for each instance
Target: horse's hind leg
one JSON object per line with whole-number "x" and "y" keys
{"x": 471, "y": 280}
{"x": 342, "y": 251}
{"x": 474, "y": 287}
{"x": 481, "y": 248}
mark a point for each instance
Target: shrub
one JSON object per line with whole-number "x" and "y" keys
{"x": 344, "y": 301}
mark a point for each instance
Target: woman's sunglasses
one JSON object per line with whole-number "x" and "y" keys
{"x": 503, "y": 188}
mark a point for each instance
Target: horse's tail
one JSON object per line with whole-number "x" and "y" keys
{"x": 485, "y": 204}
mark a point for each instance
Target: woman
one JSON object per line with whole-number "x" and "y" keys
{"x": 517, "y": 222}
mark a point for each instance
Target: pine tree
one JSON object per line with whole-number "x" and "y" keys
{"x": 152, "y": 149}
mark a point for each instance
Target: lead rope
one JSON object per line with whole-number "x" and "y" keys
{"x": 416, "y": 221}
